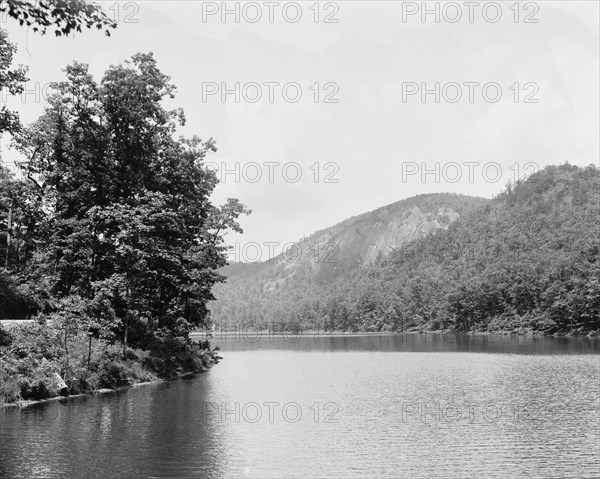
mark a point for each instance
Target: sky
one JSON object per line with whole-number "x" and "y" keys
{"x": 326, "y": 110}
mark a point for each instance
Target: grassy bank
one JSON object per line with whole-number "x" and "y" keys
{"x": 37, "y": 363}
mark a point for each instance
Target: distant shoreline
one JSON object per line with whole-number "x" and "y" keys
{"x": 215, "y": 335}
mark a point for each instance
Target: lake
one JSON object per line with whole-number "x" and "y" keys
{"x": 394, "y": 406}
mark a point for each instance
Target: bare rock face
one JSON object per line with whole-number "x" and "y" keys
{"x": 336, "y": 251}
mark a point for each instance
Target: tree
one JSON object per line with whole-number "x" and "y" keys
{"x": 11, "y": 81}
{"x": 64, "y": 16}
{"x": 20, "y": 216}
{"x": 128, "y": 204}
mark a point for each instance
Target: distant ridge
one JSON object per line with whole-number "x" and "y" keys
{"x": 331, "y": 254}
{"x": 526, "y": 261}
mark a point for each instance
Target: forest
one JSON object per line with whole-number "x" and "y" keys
{"x": 526, "y": 261}
{"x": 108, "y": 237}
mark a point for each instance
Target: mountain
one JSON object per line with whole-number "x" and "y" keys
{"x": 253, "y": 290}
{"x": 527, "y": 260}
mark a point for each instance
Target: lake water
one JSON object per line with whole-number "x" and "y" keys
{"x": 343, "y": 406}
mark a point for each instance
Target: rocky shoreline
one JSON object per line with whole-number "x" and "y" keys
{"x": 94, "y": 392}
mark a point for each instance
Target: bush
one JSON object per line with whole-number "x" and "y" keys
{"x": 35, "y": 353}
{"x": 83, "y": 380}
{"x": 112, "y": 373}
{"x": 39, "y": 383}
{"x": 9, "y": 388}
{"x": 35, "y": 340}
{"x": 6, "y": 338}
{"x": 36, "y": 389}
{"x": 115, "y": 373}
{"x": 15, "y": 301}
{"x": 10, "y": 391}
{"x": 546, "y": 325}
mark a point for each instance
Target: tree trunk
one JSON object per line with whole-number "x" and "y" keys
{"x": 126, "y": 324}
{"x": 66, "y": 371}
{"x": 8, "y": 229}
{"x": 125, "y": 334}
{"x": 89, "y": 351}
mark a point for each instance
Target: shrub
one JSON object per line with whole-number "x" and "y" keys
{"x": 546, "y": 325}
{"x": 113, "y": 373}
{"x": 6, "y": 338}
{"x": 83, "y": 380}
{"x": 40, "y": 385}
{"x": 9, "y": 387}
{"x": 36, "y": 353}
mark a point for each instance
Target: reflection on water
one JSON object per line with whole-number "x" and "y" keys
{"x": 381, "y": 406}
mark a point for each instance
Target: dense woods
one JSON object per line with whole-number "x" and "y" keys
{"x": 526, "y": 261}
{"x": 109, "y": 240}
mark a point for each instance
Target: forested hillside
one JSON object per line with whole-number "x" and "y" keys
{"x": 528, "y": 260}
{"x": 264, "y": 293}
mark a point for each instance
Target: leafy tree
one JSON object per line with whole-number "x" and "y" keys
{"x": 133, "y": 229}
{"x": 11, "y": 81}
{"x": 64, "y": 16}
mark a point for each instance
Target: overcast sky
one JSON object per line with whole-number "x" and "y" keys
{"x": 361, "y": 131}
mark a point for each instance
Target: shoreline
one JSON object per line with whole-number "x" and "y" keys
{"x": 95, "y": 392}
{"x": 570, "y": 334}
{"x": 27, "y": 403}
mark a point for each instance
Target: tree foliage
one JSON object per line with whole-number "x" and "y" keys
{"x": 115, "y": 214}
{"x": 11, "y": 81}
{"x": 63, "y": 16}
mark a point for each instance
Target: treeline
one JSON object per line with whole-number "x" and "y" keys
{"x": 528, "y": 260}
{"x": 109, "y": 240}
{"x": 264, "y": 292}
